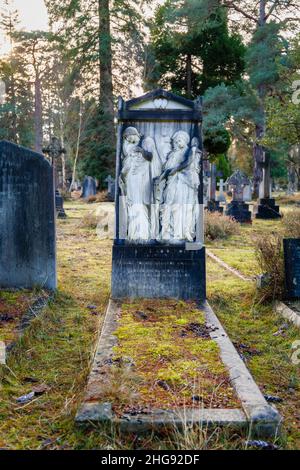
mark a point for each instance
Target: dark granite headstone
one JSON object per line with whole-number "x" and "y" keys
{"x": 89, "y": 187}
{"x": 158, "y": 272}
{"x": 111, "y": 188}
{"x": 27, "y": 219}
{"x": 292, "y": 267}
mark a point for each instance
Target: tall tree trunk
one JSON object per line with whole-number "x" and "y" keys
{"x": 63, "y": 155}
{"x": 189, "y": 76}
{"x": 106, "y": 82}
{"x": 260, "y": 128}
{"x": 77, "y": 149}
{"x": 38, "y": 115}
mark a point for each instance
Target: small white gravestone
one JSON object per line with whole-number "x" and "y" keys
{"x": 2, "y": 353}
{"x": 221, "y": 196}
{"x": 247, "y": 196}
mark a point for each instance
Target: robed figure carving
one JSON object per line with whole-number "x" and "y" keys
{"x": 140, "y": 164}
{"x": 180, "y": 209}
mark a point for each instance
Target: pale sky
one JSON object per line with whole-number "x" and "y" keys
{"x": 33, "y": 16}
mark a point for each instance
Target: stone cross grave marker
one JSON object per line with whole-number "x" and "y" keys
{"x": 221, "y": 196}
{"x": 27, "y": 219}
{"x": 54, "y": 151}
{"x": 238, "y": 209}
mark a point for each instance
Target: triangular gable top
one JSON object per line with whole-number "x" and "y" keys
{"x": 160, "y": 99}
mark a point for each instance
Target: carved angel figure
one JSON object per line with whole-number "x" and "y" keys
{"x": 135, "y": 184}
{"x": 180, "y": 198}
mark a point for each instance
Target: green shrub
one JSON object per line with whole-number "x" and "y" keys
{"x": 218, "y": 226}
{"x": 269, "y": 252}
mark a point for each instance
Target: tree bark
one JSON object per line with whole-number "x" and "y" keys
{"x": 260, "y": 128}
{"x": 38, "y": 115}
{"x": 105, "y": 68}
{"x": 77, "y": 149}
{"x": 189, "y": 76}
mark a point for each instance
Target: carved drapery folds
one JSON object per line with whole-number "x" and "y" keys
{"x": 159, "y": 183}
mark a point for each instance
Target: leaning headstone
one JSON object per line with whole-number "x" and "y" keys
{"x": 111, "y": 188}
{"x": 238, "y": 209}
{"x": 159, "y": 249}
{"x": 27, "y": 219}
{"x": 292, "y": 267}
{"x": 89, "y": 187}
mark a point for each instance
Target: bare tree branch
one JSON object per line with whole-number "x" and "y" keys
{"x": 231, "y": 4}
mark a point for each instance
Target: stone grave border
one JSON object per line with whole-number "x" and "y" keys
{"x": 256, "y": 416}
{"x": 287, "y": 313}
{"x": 234, "y": 271}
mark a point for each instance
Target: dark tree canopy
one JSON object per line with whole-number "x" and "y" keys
{"x": 191, "y": 57}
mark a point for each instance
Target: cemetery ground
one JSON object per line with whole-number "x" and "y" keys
{"x": 53, "y": 355}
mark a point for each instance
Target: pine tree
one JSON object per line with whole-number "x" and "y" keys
{"x": 190, "y": 55}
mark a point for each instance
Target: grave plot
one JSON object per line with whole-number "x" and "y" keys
{"x": 165, "y": 364}
{"x": 169, "y": 362}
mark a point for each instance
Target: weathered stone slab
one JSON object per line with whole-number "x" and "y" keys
{"x": 288, "y": 313}
{"x": 27, "y": 219}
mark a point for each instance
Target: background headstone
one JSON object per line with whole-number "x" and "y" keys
{"x": 221, "y": 196}
{"x": 247, "y": 193}
{"x": 292, "y": 267}
{"x": 111, "y": 188}
{"x": 238, "y": 209}
{"x": 27, "y": 219}
{"x": 89, "y": 187}
{"x": 55, "y": 152}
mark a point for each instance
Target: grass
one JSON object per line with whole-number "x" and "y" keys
{"x": 56, "y": 349}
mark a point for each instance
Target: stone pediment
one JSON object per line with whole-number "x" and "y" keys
{"x": 163, "y": 104}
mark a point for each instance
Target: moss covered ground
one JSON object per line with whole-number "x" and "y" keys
{"x": 176, "y": 364}
{"x": 56, "y": 349}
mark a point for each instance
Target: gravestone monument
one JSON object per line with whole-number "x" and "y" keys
{"x": 238, "y": 209}
{"x": 54, "y": 151}
{"x": 292, "y": 267}
{"x": 267, "y": 208}
{"x": 159, "y": 249}
{"x": 247, "y": 193}
{"x": 213, "y": 204}
{"x": 89, "y": 187}
{"x": 111, "y": 188}
{"x": 27, "y": 219}
{"x": 221, "y": 195}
